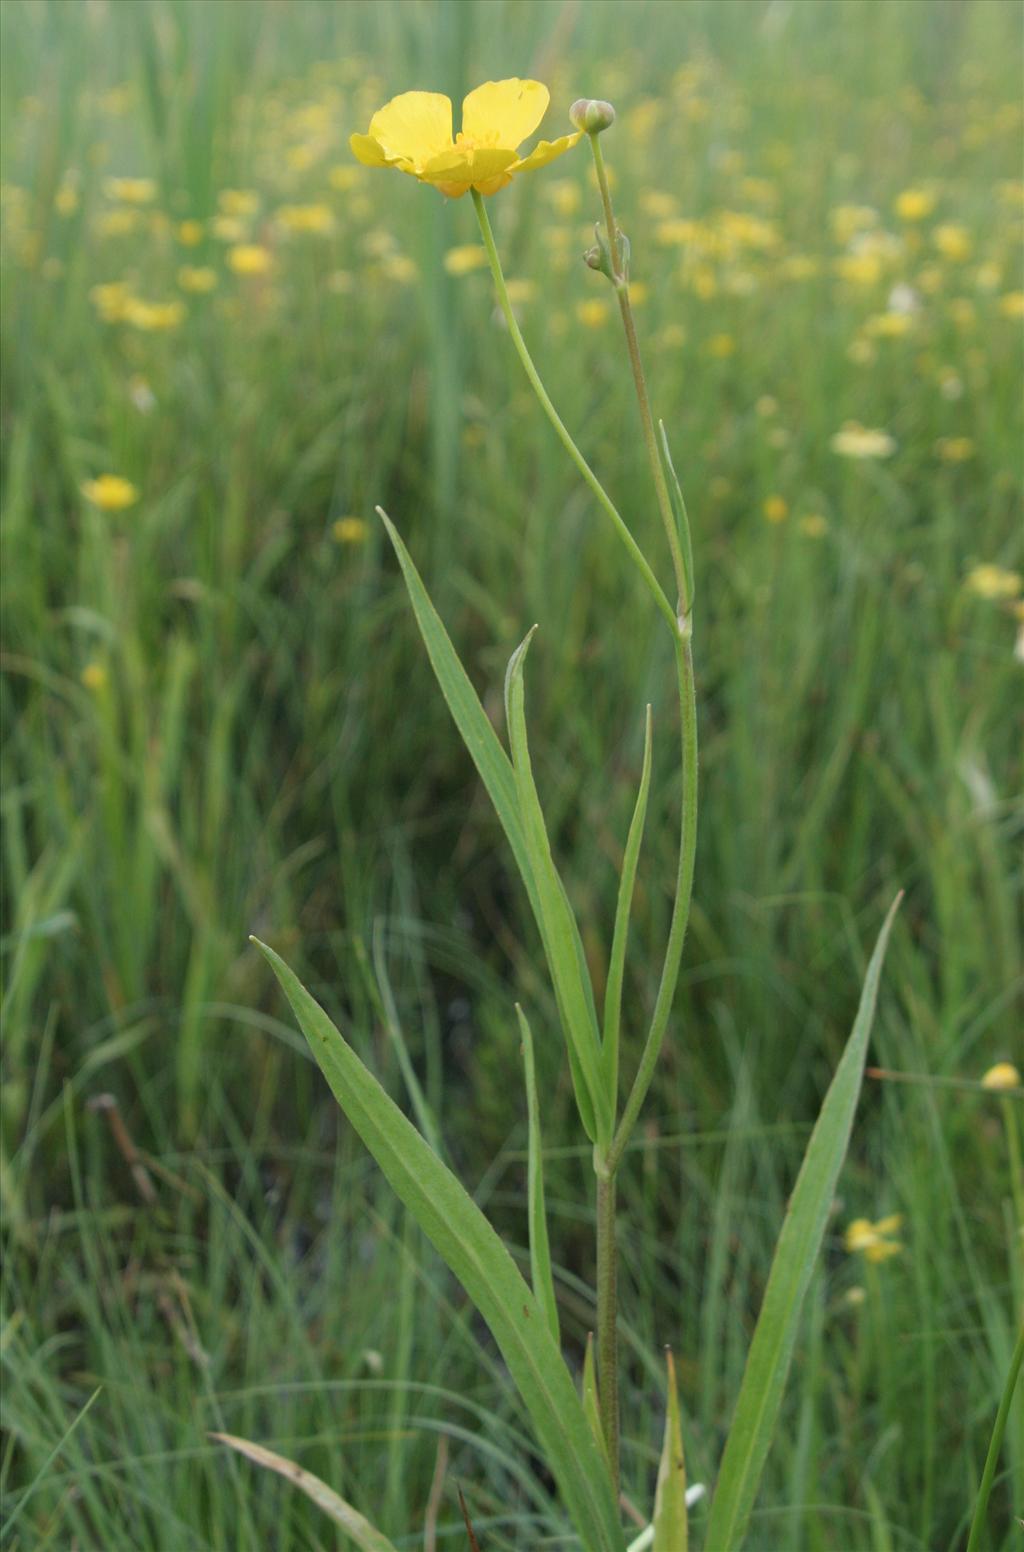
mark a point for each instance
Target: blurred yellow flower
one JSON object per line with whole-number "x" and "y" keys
{"x": 857, "y": 441}
{"x": 1003, "y": 1075}
{"x": 116, "y": 223}
{"x": 721, "y": 346}
{"x": 413, "y": 132}
{"x": 565, "y": 195}
{"x": 890, "y": 325}
{"x": 814, "y": 525}
{"x": 250, "y": 259}
{"x": 955, "y": 449}
{"x": 110, "y": 493}
{"x": 199, "y": 278}
{"x": 874, "y": 1241}
{"x": 676, "y": 232}
{"x": 240, "y": 204}
{"x": 1012, "y": 304}
{"x": 521, "y": 290}
{"x": 914, "y": 204}
{"x": 992, "y": 582}
{"x": 229, "y": 229}
{"x": 130, "y": 191}
{"x": 463, "y": 260}
{"x": 775, "y": 509}
{"x": 593, "y": 312}
{"x": 112, "y": 300}
{"x": 953, "y": 242}
{"x": 350, "y": 530}
{"x": 66, "y": 199}
{"x": 94, "y": 676}
{"x": 344, "y": 178}
{"x": 153, "y": 317}
{"x": 189, "y": 233}
{"x": 317, "y": 219}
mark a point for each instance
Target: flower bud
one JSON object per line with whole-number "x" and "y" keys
{"x": 592, "y": 115}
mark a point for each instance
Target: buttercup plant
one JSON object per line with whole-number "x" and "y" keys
{"x": 577, "y": 1432}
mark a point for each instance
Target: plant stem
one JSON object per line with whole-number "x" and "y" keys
{"x": 621, "y": 284}
{"x": 996, "y": 1444}
{"x": 607, "y": 1322}
{"x": 577, "y": 457}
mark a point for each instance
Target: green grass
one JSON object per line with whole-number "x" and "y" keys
{"x": 267, "y": 752}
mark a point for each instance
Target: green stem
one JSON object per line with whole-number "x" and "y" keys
{"x": 577, "y": 457}
{"x": 607, "y": 1323}
{"x": 621, "y": 283}
{"x": 992, "y": 1458}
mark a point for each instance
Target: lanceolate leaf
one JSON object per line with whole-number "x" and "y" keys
{"x": 557, "y": 924}
{"x": 540, "y": 1250}
{"x": 325, "y": 1498}
{"x": 591, "y": 1400}
{"x": 467, "y": 1242}
{"x": 797, "y": 1250}
{"x": 487, "y": 755}
{"x": 670, "y": 1521}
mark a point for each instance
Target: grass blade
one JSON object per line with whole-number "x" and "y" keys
{"x": 620, "y": 936}
{"x": 558, "y": 928}
{"x": 351, "y": 1521}
{"x": 540, "y": 1250}
{"x": 803, "y": 1229}
{"x": 995, "y": 1445}
{"x": 463, "y": 1237}
{"x": 670, "y": 1520}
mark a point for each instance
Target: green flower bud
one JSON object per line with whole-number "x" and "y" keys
{"x": 592, "y": 115}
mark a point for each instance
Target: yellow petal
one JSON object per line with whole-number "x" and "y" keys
{"x": 465, "y": 168}
{"x": 367, "y": 150}
{"x": 889, "y": 1225}
{"x": 412, "y": 127}
{"x": 503, "y": 113}
{"x": 545, "y": 151}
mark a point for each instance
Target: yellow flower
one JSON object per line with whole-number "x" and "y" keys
{"x": 350, "y": 530}
{"x": 890, "y": 325}
{"x": 193, "y": 278}
{"x": 521, "y": 290}
{"x": 462, "y": 261}
{"x": 721, "y": 346}
{"x": 992, "y": 582}
{"x": 413, "y": 132}
{"x": 112, "y": 300}
{"x": 110, "y": 493}
{"x": 955, "y": 449}
{"x": 229, "y": 229}
{"x": 953, "y": 242}
{"x": 874, "y": 1241}
{"x": 775, "y": 509}
{"x": 857, "y": 441}
{"x": 318, "y": 219}
{"x": 130, "y": 191}
{"x": 153, "y": 317}
{"x": 249, "y": 259}
{"x": 238, "y": 203}
{"x": 190, "y": 233}
{"x": 593, "y": 312}
{"x": 117, "y": 223}
{"x": 814, "y": 525}
{"x": 915, "y": 204}
{"x": 66, "y": 199}
{"x": 1003, "y": 1075}
{"x": 94, "y": 676}
{"x": 1012, "y": 304}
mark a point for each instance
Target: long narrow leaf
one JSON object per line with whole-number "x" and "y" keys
{"x": 488, "y": 756}
{"x": 540, "y": 1250}
{"x": 620, "y": 937}
{"x": 591, "y": 1400}
{"x": 463, "y": 1237}
{"x": 557, "y": 923}
{"x": 670, "y": 1518}
{"x": 351, "y": 1521}
{"x": 799, "y": 1243}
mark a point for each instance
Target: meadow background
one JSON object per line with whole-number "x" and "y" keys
{"x": 219, "y": 720}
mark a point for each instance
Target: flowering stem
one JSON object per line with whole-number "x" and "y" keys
{"x": 556, "y": 420}
{"x": 621, "y": 283}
